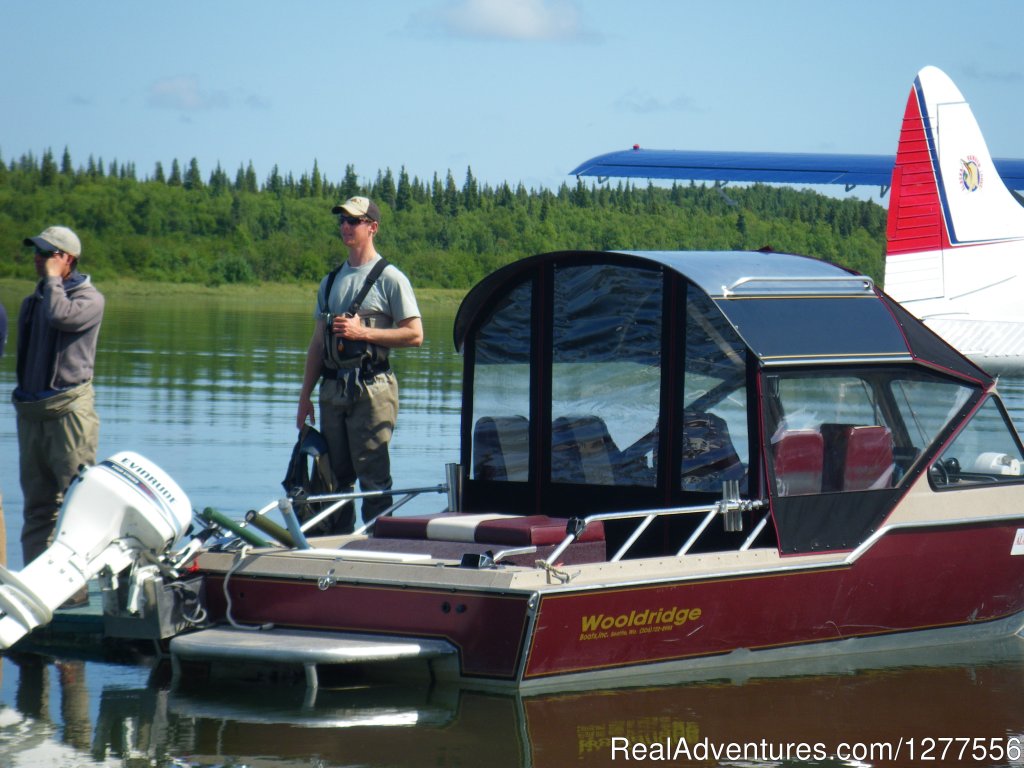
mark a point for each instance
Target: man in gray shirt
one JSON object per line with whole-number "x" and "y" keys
{"x": 358, "y": 390}
{"x": 58, "y": 429}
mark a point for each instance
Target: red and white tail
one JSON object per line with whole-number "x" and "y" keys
{"x": 955, "y": 231}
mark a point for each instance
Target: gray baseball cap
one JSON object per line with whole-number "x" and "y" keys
{"x": 57, "y": 239}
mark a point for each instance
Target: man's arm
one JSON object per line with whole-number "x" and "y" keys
{"x": 311, "y": 372}
{"x": 409, "y": 332}
{"x": 76, "y": 313}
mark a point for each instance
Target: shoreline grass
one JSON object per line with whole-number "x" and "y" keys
{"x": 14, "y": 289}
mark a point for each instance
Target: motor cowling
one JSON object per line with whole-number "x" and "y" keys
{"x": 111, "y": 512}
{"x": 125, "y": 496}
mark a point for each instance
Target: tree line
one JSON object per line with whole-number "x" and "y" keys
{"x": 181, "y": 226}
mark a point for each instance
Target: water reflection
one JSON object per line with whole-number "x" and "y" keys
{"x": 970, "y": 691}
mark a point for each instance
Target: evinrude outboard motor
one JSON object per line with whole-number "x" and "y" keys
{"x": 111, "y": 512}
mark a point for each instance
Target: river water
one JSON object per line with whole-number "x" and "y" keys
{"x": 206, "y": 388}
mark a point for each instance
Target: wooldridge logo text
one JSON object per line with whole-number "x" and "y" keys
{"x": 600, "y": 625}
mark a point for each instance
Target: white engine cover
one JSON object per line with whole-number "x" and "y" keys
{"x": 111, "y": 513}
{"x": 125, "y": 496}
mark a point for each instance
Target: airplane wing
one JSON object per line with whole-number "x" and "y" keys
{"x": 781, "y": 167}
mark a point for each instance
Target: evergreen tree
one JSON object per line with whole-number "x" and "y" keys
{"x": 174, "y": 180}
{"x": 250, "y": 185}
{"x": 193, "y": 178}
{"x": 451, "y": 196}
{"x": 316, "y": 185}
{"x": 437, "y": 194}
{"x": 387, "y": 193}
{"x": 158, "y": 173}
{"x": 274, "y": 183}
{"x": 65, "y": 164}
{"x": 403, "y": 196}
{"x": 48, "y": 170}
{"x": 349, "y": 184}
{"x": 470, "y": 191}
{"x": 219, "y": 181}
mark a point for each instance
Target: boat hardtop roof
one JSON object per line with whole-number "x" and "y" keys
{"x": 787, "y": 308}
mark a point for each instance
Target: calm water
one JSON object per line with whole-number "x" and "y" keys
{"x": 206, "y": 389}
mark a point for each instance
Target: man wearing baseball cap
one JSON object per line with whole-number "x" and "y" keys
{"x": 365, "y": 308}
{"x": 58, "y": 429}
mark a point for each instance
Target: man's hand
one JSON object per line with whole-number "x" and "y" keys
{"x": 56, "y": 265}
{"x": 349, "y": 327}
{"x": 306, "y": 411}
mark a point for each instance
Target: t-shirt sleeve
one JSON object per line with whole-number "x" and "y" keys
{"x": 401, "y": 297}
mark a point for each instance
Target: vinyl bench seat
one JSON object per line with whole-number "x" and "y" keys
{"x": 508, "y": 530}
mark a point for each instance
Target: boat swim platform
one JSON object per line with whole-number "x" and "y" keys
{"x": 296, "y": 647}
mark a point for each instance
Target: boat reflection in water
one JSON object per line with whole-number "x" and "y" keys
{"x": 919, "y": 696}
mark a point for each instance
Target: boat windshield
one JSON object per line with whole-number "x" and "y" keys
{"x": 854, "y": 430}
{"x": 986, "y": 452}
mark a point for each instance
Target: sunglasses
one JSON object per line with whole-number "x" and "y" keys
{"x": 45, "y": 254}
{"x": 352, "y": 221}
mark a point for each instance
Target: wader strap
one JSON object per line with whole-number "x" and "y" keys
{"x": 357, "y": 302}
{"x": 371, "y": 278}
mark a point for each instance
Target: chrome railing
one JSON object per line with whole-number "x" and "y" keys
{"x": 731, "y": 508}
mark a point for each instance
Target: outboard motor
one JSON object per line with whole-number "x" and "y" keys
{"x": 111, "y": 513}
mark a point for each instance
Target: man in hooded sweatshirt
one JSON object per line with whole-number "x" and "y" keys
{"x": 58, "y": 429}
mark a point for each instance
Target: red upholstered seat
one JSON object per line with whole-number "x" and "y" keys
{"x": 869, "y": 458}
{"x": 510, "y": 530}
{"x": 799, "y": 460}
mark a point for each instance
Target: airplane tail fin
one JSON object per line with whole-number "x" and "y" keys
{"x": 945, "y": 194}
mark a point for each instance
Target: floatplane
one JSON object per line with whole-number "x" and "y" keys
{"x": 669, "y": 461}
{"x": 955, "y": 234}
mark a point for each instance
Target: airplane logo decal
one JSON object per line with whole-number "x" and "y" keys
{"x": 970, "y": 174}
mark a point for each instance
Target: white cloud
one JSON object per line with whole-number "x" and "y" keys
{"x": 183, "y": 93}
{"x": 513, "y": 19}
{"x": 634, "y": 101}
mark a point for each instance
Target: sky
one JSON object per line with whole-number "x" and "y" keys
{"x": 515, "y": 90}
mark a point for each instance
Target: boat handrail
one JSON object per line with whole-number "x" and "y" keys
{"x": 793, "y": 286}
{"x": 647, "y": 516}
{"x": 339, "y": 499}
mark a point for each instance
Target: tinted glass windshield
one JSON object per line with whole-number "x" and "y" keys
{"x": 853, "y": 431}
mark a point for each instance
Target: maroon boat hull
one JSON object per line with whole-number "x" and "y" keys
{"x": 953, "y": 569}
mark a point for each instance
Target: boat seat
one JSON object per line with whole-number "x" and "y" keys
{"x": 709, "y": 456}
{"x": 583, "y": 451}
{"x": 511, "y": 530}
{"x": 869, "y": 459}
{"x": 799, "y": 462}
{"x": 857, "y": 457}
{"x": 501, "y": 448}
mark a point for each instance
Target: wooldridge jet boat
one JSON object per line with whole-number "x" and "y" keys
{"x": 669, "y": 461}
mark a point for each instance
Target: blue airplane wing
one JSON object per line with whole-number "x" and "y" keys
{"x": 781, "y": 167}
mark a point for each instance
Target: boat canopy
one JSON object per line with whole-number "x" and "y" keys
{"x": 785, "y": 307}
{"x": 605, "y": 381}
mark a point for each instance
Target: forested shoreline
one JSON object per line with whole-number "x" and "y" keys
{"x": 179, "y": 225}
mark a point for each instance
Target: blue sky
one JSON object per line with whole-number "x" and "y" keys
{"x": 518, "y": 90}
